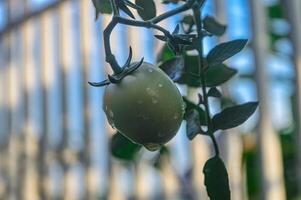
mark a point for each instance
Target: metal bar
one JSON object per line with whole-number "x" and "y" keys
{"x": 268, "y": 142}
{"x": 29, "y": 133}
{"x": 19, "y": 22}
{"x": 85, "y": 50}
{"x": 64, "y": 64}
{"x": 292, "y": 12}
{"x": 230, "y": 141}
{"x": 47, "y": 62}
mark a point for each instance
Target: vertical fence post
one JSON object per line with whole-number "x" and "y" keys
{"x": 292, "y": 12}
{"x": 29, "y": 129}
{"x": 85, "y": 43}
{"x": 47, "y": 62}
{"x": 231, "y": 140}
{"x": 4, "y": 136}
{"x": 64, "y": 65}
{"x": 268, "y": 142}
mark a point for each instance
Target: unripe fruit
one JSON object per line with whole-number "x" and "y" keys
{"x": 145, "y": 106}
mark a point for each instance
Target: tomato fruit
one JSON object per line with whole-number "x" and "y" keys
{"x": 145, "y": 106}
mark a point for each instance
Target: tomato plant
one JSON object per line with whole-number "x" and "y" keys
{"x": 142, "y": 102}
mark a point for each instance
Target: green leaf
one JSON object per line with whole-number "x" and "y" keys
{"x": 188, "y": 19}
{"x": 163, "y": 154}
{"x": 123, "y": 6}
{"x": 165, "y": 54}
{"x": 149, "y": 9}
{"x": 173, "y": 67}
{"x": 214, "y": 92}
{"x": 102, "y": 6}
{"x": 223, "y": 51}
{"x": 161, "y": 37}
{"x": 193, "y": 124}
{"x": 218, "y": 74}
{"x": 192, "y": 106}
{"x": 213, "y": 26}
{"x": 190, "y": 69}
{"x": 233, "y": 116}
{"x": 123, "y": 148}
{"x": 275, "y": 11}
{"x": 214, "y": 75}
{"x": 216, "y": 179}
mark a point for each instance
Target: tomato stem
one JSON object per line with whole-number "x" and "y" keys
{"x": 198, "y": 22}
{"x": 152, "y": 23}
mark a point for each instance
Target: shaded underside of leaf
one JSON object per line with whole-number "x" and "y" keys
{"x": 174, "y": 67}
{"x": 213, "y": 26}
{"x": 192, "y": 106}
{"x": 216, "y": 179}
{"x": 123, "y": 148}
{"x": 149, "y": 9}
{"x": 218, "y": 74}
{"x": 193, "y": 124}
{"x": 102, "y": 6}
{"x": 223, "y": 51}
{"x": 233, "y": 116}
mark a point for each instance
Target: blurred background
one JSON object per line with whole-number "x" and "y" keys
{"x": 54, "y": 137}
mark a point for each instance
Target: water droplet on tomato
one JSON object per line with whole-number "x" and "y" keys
{"x": 160, "y": 85}
{"x": 152, "y": 146}
{"x": 154, "y": 101}
{"x": 150, "y": 70}
{"x": 111, "y": 114}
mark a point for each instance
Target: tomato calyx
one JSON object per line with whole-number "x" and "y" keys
{"x": 130, "y": 68}
{"x": 127, "y": 69}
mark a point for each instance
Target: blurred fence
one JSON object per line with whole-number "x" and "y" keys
{"x": 54, "y": 137}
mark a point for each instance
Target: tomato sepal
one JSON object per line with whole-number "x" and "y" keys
{"x": 127, "y": 69}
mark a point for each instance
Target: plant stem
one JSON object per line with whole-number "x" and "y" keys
{"x": 110, "y": 58}
{"x": 184, "y": 7}
{"x": 145, "y": 24}
{"x": 198, "y": 23}
{"x": 114, "y": 8}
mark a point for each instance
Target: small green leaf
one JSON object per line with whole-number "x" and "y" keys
{"x": 161, "y": 37}
{"x": 214, "y": 92}
{"x": 132, "y": 5}
{"x": 173, "y": 67}
{"x": 165, "y": 54}
{"x": 102, "y": 6}
{"x": 123, "y": 148}
{"x": 223, "y": 51}
{"x": 122, "y": 6}
{"x": 193, "y": 124}
{"x": 216, "y": 179}
{"x": 188, "y": 19}
{"x": 192, "y": 106}
{"x": 213, "y": 26}
{"x": 233, "y": 116}
{"x": 191, "y": 68}
{"x": 149, "y": 9}
{"x": 218, "y": 74}
{"x": 163, "y": 154}
{"x": 275, "y": 11}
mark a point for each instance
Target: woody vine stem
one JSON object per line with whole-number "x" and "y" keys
{"x": 195, "y": 5}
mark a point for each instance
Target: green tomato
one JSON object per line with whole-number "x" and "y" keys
{"x": 146, "y": 106}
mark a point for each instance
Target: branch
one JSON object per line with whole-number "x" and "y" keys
{"x": 199, "y": 25}
{"x": 186, "y": 6}
{"x": 110, "y": 58}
